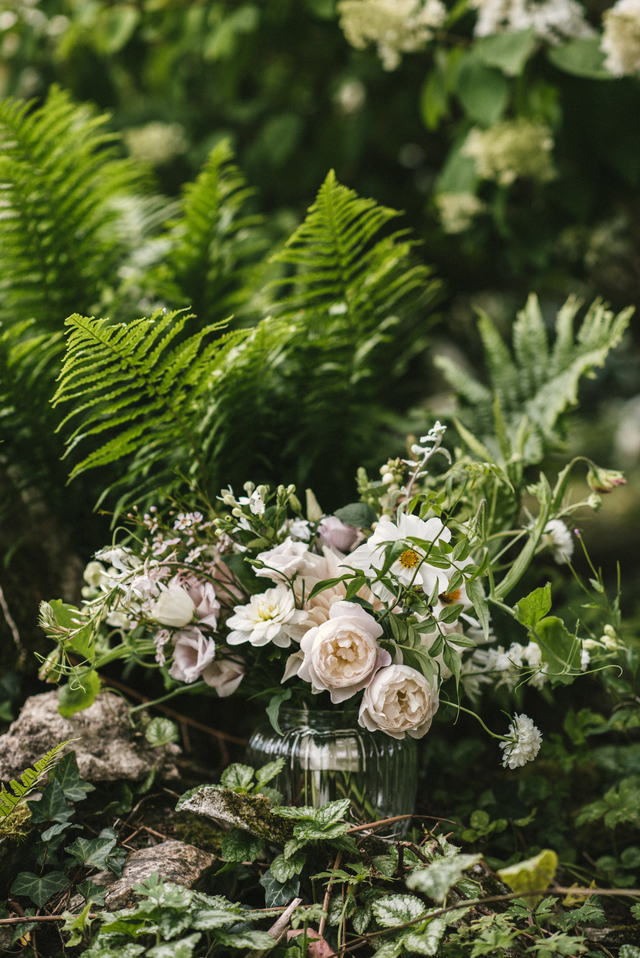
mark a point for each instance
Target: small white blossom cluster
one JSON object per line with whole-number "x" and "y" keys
{"x": 156, "y": 143}
{"x": 396, "y": 26}
{"x": 458, "y": 210}
{"x": 512, "y": 149}
{"x": 524, "y": 742}
{"x": 557, "y": 537}
{"x": 494, "y": 666}
{"x": 554, "y": 21}
{"x": 621, "y": 38}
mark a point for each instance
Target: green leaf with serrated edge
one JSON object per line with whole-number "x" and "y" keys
{"x": 344, "y": 842}
{"x": 560, "y": 650}
{"x": 256, "y": 940}
{"x": 531, "y": 875}
{"x": 295, "y": 811}
{"x": 92, "y": 892}
{"x": 79, "y": 693}
{"x": 283, "y": 869}
{"x": 476, "y": 595}
{"x": 273, "y": 708}
{"x": 293, "y": 846}
{"x": 52, "y": 807}
{"x": 92, "y": 851}
{"x": 357, "y": 514}
{"x": 534, "y": 606}
{"x": 161, "y": 731}
{"x": 105, "y": 949}
{"x": 205, "y": 918}
{"x": 237, "y": 777}
{"x": 331, "y": 812}
{"x": 276, "y": 893}
{"x": 390, "y": 950}
{"x": 436, "y": 880}
{"x": 268, "y": 772}
{"x": 66, "y": 772}
{"x": 240, "y": 846}
{"x": 397, "y": 909}
{"x": 39, "y": 889}
{"x": 362, "y": 919}
{"x": 175, "y": 949}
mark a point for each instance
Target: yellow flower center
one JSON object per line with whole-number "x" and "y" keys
{"x": 409, "y": 559}
{"x": 448, "y": 598}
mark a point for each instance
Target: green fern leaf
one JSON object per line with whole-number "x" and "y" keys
{"x": 29, "y": 780}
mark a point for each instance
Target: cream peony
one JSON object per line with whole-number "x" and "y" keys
{"x": 269, "y": 617}
{"x": 192, "y": 653}
{"x": 342, "y": 655}
{"x": 399, "y": 700}
{"x": 174, "y": 608}
{"x": 225, "y": 675}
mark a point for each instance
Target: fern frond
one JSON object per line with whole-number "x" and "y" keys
{"x": 213, "y": 240}
{"x": 28, "y": 781}
{"x": 143, "y": 384}
{"x": 532, "y": 389}
{"x": 59, "y": 173}
{"x": 339, "y": 264}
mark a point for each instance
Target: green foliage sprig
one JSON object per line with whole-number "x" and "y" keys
{"x": 29, "y": 781}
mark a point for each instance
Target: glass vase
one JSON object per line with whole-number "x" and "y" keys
{"x": 329, "y": 756}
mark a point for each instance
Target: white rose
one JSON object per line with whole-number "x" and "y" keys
{"x": 225, "y": 675}
{"x": 399, "y": 700}
{"x": 192, "y": 653}
{"x": 291, "y": 557}
{"x": 335, "y": 533}
{"x": 342, "y": 654}
{"x": 174, "y": 607}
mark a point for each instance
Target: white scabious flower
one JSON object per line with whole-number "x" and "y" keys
{"x": 621, "y": 38}
{"x": 396, "y": 26}
{"x": 457, "y": 210}
{"x": 552, "y": 20}
{"x": 512, "y": 149}
{"x": 155, "y": 143}
{"x": 269, "y": 617}
{"x": 557, "y": 537}
{"x": 523, "y": 744}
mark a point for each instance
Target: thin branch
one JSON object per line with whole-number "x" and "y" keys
{"x": 10, "y": 622}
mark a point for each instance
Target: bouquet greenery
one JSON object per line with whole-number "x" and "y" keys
{"x": 383, "y": 608}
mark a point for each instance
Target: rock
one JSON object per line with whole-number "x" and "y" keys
{"x": 107, "y": 750}
{"x": 251, "y": 812}
{"x": 174, "y": 861}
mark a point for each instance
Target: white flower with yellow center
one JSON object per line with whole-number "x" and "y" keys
{"x": 412, "y": 567}
{"x": 269, "y": 617}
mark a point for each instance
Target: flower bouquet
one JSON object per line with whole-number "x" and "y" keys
{"x": 381, "y": 611}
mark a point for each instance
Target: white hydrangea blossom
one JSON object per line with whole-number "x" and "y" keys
{"x": 557, "y": 537}
{"x": 552, "y": 20}
{"x": 156, "y": 143}
{"x": 524, "y": 742}
{"x": 457, "y": 210}
{"x": 512, "y": 149}
{"x": 621, "y": 38}
{"x": 396, "y": 26}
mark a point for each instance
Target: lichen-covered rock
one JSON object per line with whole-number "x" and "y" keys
{"x": 107, "y": 748}
{"x": 251, "y": 812}
{"x": 174, "y": 861}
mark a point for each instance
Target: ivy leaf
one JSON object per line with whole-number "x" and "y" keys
{"x": 52, "y": 807}
{"x": 39, "y": 889}
{"x": 92, "y": 851}
{"x": 56, "y": 830}
{"x": 92, "y": 892}
{"x": 66, "y": 772}
{"x": 396, "y": 909}
{"x": 533, "y": 874}
{"x": 241, "y": 846}
{"x": 436, "y": 880}
{"x": 237, "y": 777}
{"x": 74, "y": 698}
{"x": 534, "y": 606}
{"x": 278, "y": 893}
{"x": 176, "y": 949}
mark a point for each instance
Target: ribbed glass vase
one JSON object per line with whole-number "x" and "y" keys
{"x": 329, "y": 756}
